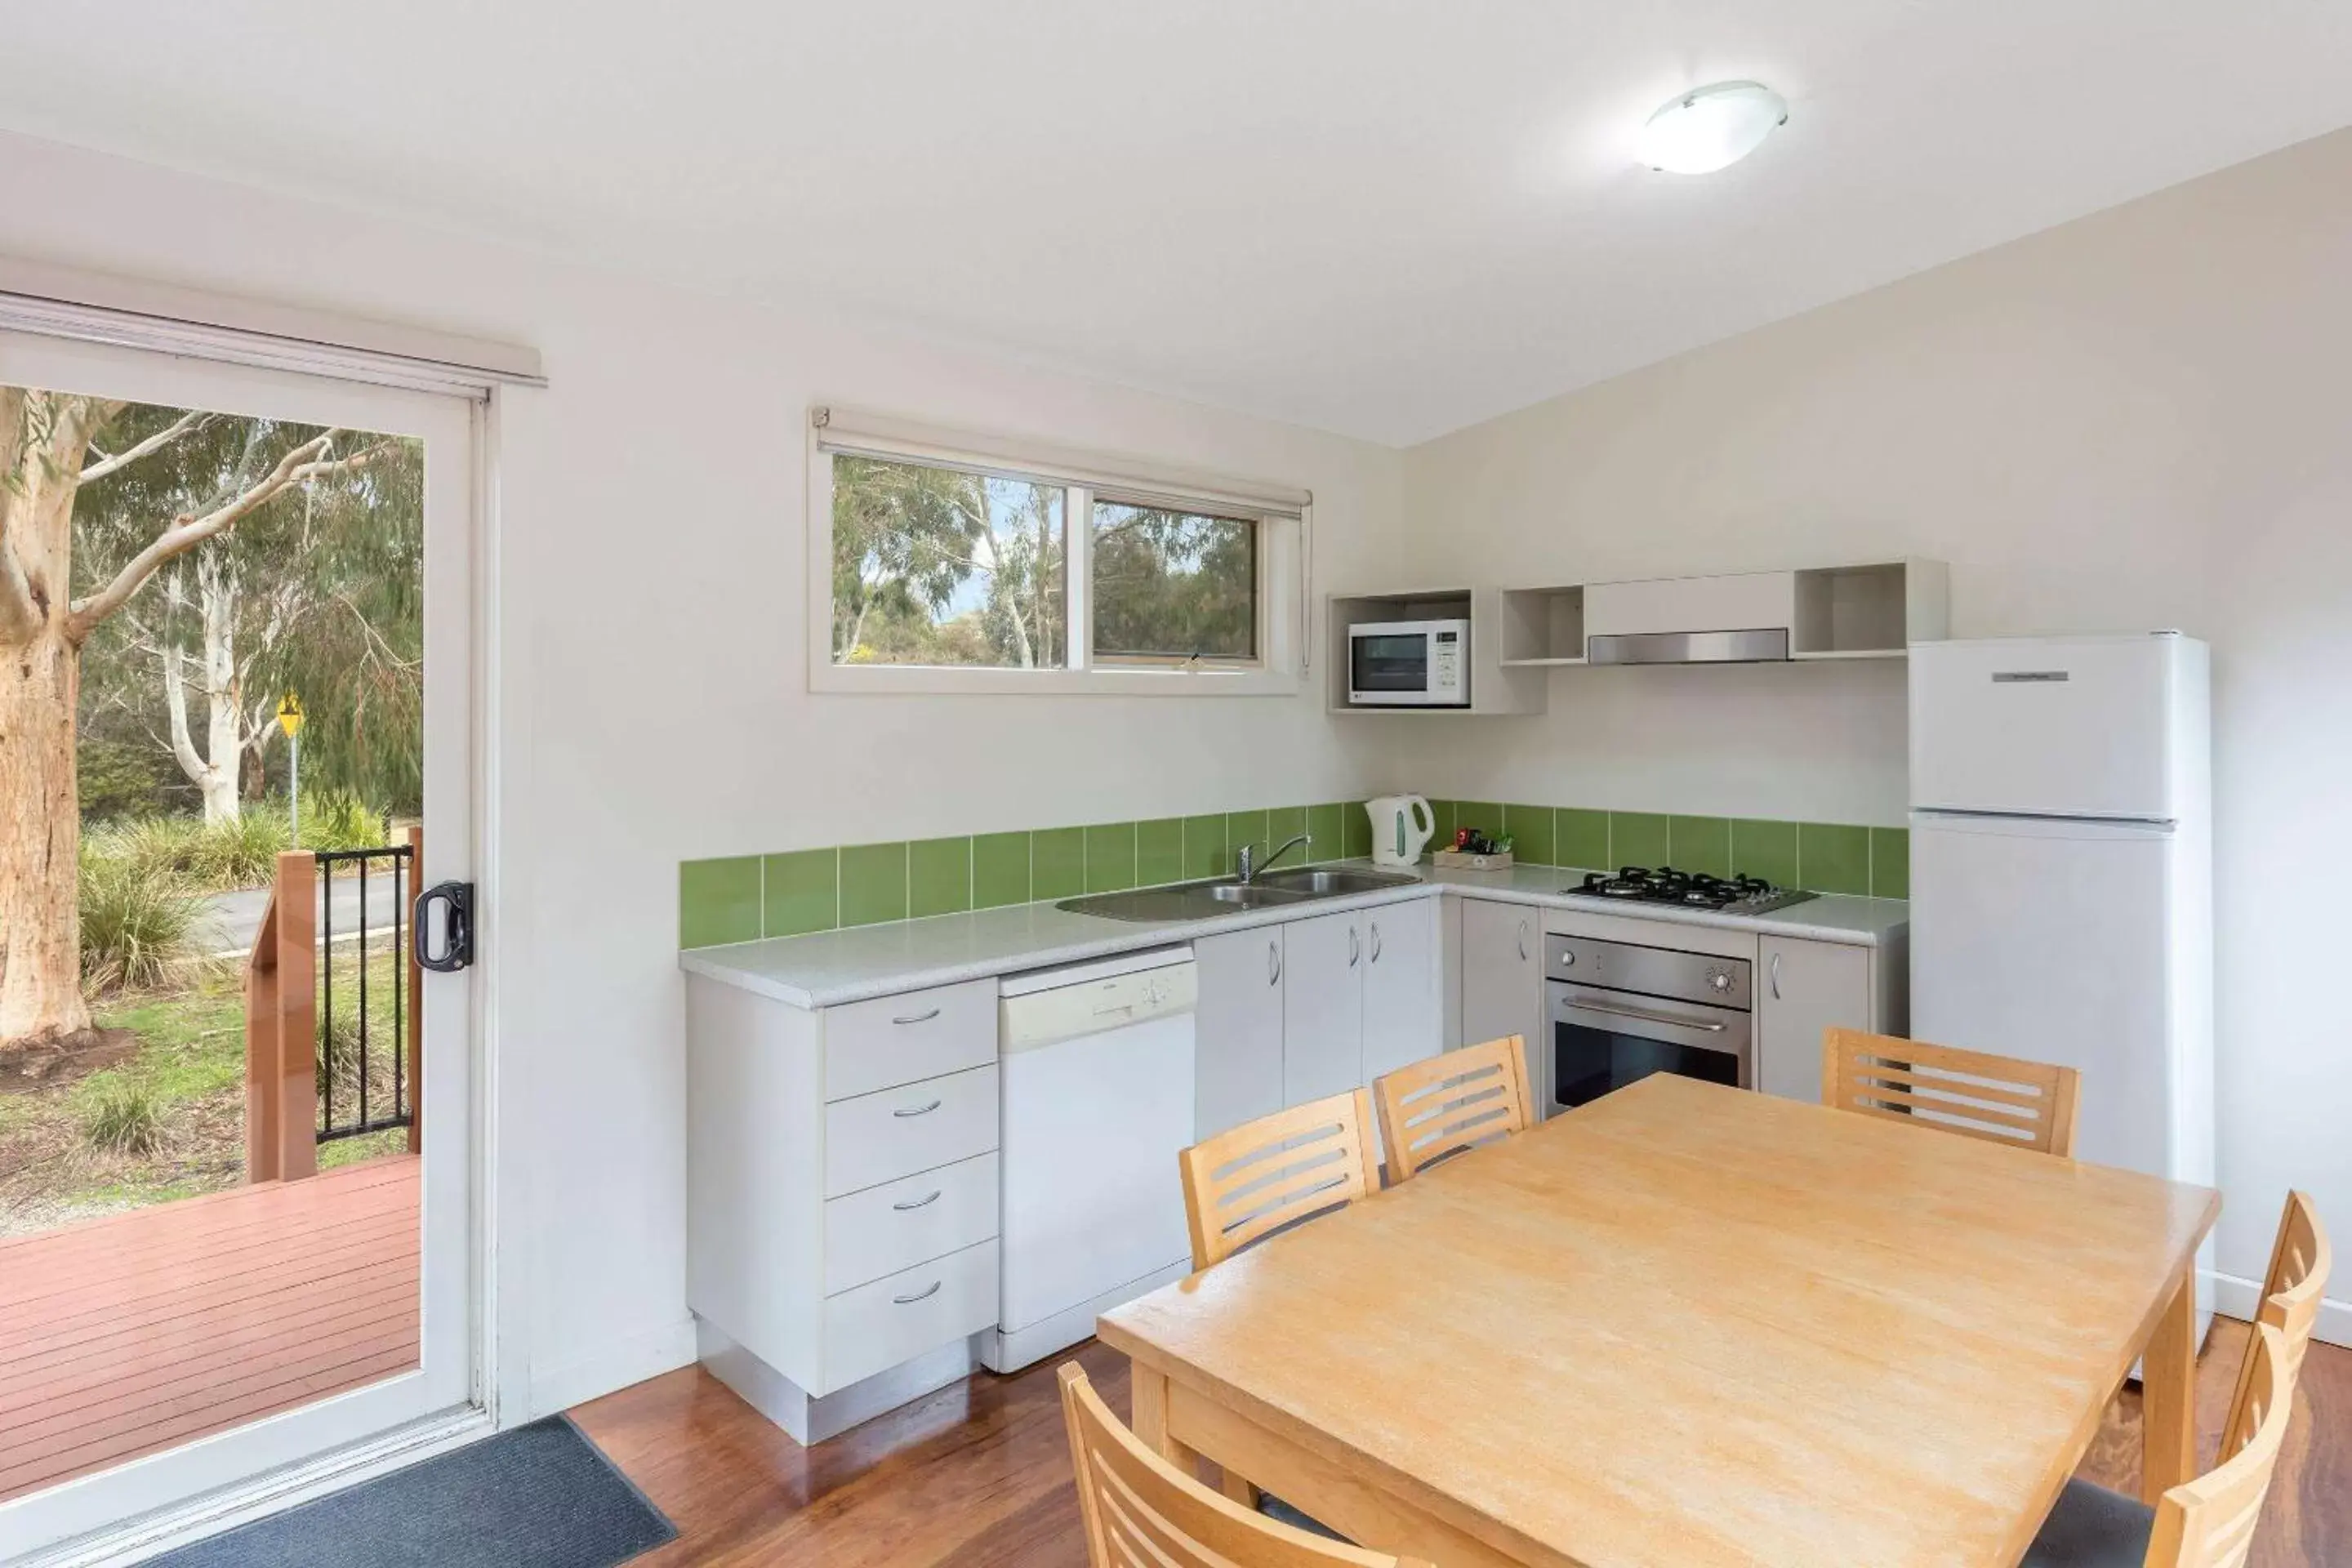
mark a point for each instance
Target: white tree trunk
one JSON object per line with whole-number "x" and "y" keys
{"x": 215, "y": 770}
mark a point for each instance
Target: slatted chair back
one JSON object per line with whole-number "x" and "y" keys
{"x": 2210, "y": 1522}
{"x": 1275, "y": 1171}
{"x": 2301, "y": 1261}
{"x": 1451, "y": 1102}
{"x": 1141, "y": 1511}
{"x": 2029, "y": 1105}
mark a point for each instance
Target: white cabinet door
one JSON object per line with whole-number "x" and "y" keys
{"x": 1402, "y": 1018}
{"x": 1502, "y": 985}
{"x": 1322, "y": 1007}
{"x": 1801, "y": 989}
{"x": 1237, "y": 1057}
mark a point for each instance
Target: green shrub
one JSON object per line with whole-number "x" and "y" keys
{"x": 136, "y": 923}
{"x": 338, "y": 819}
{"x": 119, "y": 1117}
{"x": 121, "y": 778}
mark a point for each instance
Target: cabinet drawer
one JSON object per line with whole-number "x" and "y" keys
{"x": 900, "y": 1224}
{"x": 879, "y": 1138}
{"x": 898, "y": 1317}
{"x": 913, "y": 1035}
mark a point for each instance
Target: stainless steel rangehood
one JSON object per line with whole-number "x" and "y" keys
{"x": 1740, "y": 619}
{"x": 1759, "y": 645}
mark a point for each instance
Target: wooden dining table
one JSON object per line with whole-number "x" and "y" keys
{"x": 1692, "y": 1326}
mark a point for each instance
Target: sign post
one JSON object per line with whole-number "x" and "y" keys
{"x": 290, "y": 718}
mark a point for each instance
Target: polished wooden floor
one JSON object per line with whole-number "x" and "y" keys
{"x": 136, "y": 1333}
{"x": 978, "y": 1476}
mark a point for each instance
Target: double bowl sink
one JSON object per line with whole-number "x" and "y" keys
{"x": 1230, "y": 895}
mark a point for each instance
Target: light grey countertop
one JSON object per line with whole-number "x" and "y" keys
{"x": 860, "y": 963}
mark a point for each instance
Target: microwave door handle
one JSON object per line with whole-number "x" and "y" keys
{"x": 1712, "y": 1027}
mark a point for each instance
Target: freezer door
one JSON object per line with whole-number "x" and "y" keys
{"x": 2053, "y": 727}
{"x": 2055, "y": 941}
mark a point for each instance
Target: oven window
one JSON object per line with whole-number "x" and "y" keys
{"x": 1389, "y": 663}
{"x": 1588, "y": 1063}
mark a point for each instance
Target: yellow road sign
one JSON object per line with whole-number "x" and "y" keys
{"x": 289, "y": 715}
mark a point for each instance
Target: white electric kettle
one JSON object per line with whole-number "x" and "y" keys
{"x": 1402, "y": 824}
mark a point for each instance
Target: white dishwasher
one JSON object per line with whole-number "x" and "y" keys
{"x": 1097, "y": 1083}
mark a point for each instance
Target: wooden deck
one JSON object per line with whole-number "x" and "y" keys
{"x": 126, "y": 1335}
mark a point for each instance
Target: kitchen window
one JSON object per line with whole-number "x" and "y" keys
{"x": 949, "y": 563}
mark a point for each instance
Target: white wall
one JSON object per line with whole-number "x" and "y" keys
{"x": 2141, "y": 419}
{"x": 653, "y": 696}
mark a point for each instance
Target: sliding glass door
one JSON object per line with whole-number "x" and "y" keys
{"x": 237, "y": 742}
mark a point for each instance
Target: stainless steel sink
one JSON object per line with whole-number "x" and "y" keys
{"x": 1322, "y": 883}
{"x": 1226, "y": 895}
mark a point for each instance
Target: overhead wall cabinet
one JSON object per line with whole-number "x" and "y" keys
{"x": 1870, "y": 610}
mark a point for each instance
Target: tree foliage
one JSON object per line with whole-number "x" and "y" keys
{"x": 1174, "y": 584}
{"x": 937, "y": 565}
{"x": 325, "y": 582}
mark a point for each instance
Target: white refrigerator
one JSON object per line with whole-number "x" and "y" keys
{"x": 2061, "y": 877}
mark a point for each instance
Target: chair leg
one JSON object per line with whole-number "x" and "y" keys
{"x": 1240, "y": 1490}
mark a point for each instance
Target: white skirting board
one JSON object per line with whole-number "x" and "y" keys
{"x": 2236, "y": 1297}
{"x": 1003, "y": 1351}
{"x": 811, "y": 1419}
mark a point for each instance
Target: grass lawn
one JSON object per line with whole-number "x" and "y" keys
{"x": 183, "y": 1082}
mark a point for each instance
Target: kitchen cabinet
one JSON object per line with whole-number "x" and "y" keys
{"x": 1802, "y": 988}
{"x": 1400, "y": 1018}
{"x": 1313, "y": 1007}
{"x": 842, "y": 1187}
{"x": 1501, "y": 982}
{"x": 1237, "y": 1028}
{"x": 1322, "y": 1006}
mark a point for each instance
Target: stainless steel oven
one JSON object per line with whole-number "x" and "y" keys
{"x": 1620, "y": 1011}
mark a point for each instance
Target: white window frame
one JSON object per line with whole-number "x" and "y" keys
{"x": 1283, "y": 518}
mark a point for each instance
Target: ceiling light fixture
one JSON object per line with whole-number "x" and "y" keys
{"x": 1712, "y": 128}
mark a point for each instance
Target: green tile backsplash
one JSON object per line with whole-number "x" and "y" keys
{"x": 744, "y": 897}
{"x": 1640, "y": 838}
{"x": 873, "y": 883}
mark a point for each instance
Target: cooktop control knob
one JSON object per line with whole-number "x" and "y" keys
{"x": 1718, "y": 979}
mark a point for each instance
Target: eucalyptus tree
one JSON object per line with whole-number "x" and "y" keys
{"x": 52, "y": 445}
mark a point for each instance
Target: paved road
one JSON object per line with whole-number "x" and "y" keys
{"x": 229, "y": 921}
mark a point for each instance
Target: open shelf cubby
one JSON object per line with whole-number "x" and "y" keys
{"x": 1494, "y": 689}
{"x": 1542, "y": 627}
{"x": 1874, "y": 611}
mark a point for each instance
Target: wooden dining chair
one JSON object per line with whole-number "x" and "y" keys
{"x": 2028, "y": 1105}
{"x": 2301, "y": 1260}
{"x": 1451, "y": 1102}
{"x": 1275, "y": 1171}
{"x": 2205, "y": 1524}
{"x": 1138, "y": 1509}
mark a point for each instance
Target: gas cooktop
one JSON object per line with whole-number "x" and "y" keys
{"x": 1688, "y": 889}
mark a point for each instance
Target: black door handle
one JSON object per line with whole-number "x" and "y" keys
{"x": 456, "y": 902}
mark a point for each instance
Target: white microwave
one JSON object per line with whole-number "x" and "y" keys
{"x": 1409, "y": 664}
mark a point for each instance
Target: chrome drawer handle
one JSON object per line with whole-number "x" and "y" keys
{"x": 918, "y": 1296}
{"x": 919, "y": 1017}
{"x": 919, "y": 1203}
{"x": 919, "y": 1110}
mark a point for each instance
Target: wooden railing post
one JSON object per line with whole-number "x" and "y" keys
{"x": 281, "y": 1039}
{"x": 261, "y": 1108}
{"x": 298, "y": 1016}
{"x": 415, "y": 1042}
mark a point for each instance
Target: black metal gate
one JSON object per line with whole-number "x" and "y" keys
{"x": 365, "y": 991}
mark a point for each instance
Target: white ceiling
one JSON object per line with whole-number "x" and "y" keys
{"x": 1383, "y": 217}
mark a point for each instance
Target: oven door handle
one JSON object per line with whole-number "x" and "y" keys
{"x": 1712, "y": 1027}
